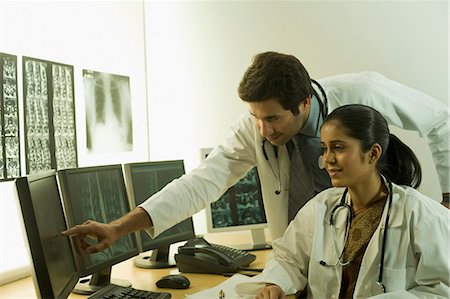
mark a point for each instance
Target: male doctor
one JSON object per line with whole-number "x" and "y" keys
{"x": 286, "y": 109}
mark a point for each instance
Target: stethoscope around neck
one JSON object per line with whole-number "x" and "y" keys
{"x": 278, "y": 174}
{"x": 323, "y": 112}
{"x": 378, "y": 287}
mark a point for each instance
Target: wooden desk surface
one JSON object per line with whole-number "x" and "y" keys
{"x": 144, "y": 279}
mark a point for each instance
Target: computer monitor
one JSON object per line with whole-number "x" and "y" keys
{"x": 241, "y": 208}
{"x": 53, "y": 268}
{"x": 143, "y": 180}
{"x": 97, "y": 193}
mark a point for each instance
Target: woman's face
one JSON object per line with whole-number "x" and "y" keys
{"x": 344, "y": 160}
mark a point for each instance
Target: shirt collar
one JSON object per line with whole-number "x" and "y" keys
{"x": 314, "y": 121}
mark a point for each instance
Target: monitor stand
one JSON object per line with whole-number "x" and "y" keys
{"x": 88, "y": 286}
{"x": 159, "y": 259}
{"x": 258, "y": 241}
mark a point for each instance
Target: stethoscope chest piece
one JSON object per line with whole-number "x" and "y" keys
{"x": 377, "y": 288}
{"x": 320, "y": 163}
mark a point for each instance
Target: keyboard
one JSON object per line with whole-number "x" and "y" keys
{"x": 113, "y": 291}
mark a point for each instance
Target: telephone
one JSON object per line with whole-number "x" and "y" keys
{"x": 199, "y": 256}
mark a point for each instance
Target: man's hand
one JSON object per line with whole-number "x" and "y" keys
{"x": 271, "y": 291}
{"x": 91, "y": 236}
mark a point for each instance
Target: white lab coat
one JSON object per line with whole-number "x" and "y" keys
{"x": 416, "y": 261}
{"x": 402, "y": 106}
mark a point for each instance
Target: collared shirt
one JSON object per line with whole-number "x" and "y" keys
{"x": 309, "y": 145}
{"x": 314, "y": 121}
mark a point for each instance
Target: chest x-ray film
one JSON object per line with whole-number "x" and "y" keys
{"x": 108, "y": 112}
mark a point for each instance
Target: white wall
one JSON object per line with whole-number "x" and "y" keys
{"x": 104, "y": 36}
{"x": 198, "y": 51}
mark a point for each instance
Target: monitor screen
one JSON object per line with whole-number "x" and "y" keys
{"x": 241, "y": 208}
{"x": 54, "y": 272}
{"x": 97, "y": 193}
{"x": 143, "y": 180}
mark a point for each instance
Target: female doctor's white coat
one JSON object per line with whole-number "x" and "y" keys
{"x": 416, "y": 262}
{"x": 400, "y": 105}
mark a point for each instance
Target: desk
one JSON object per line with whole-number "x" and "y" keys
{"x": 144, "y": 279}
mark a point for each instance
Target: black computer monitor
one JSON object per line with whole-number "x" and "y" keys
{"x": 97, "y": 193}
{"x": 143, "y": 180}
{"x": 54, "y": 273}
{"x": 241, "y": 208}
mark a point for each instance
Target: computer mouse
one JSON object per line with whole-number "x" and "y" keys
{"x": 173, "y": 281}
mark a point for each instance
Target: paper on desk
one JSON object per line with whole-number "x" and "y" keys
{"x": 227, "y": 286}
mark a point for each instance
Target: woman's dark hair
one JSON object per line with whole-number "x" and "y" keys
{"x": 398, "y": 162}
{"x": 279, "y": 76}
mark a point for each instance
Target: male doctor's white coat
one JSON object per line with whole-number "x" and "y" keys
{"x": 416, "y": 262}
{"x": 401, "y": 106}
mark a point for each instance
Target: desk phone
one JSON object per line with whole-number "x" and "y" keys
{"x": 200, "y": 256}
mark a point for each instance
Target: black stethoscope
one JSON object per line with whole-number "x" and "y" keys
{"x": 378, "y": 287}
{"x": 323, "y": 113}
{"x": 278, "y": 177}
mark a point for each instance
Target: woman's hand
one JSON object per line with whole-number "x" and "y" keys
{"x": 271, "y": 291}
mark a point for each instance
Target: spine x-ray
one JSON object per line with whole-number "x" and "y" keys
{"x": 50, "y": 132}
{"x": 9, "y": 118}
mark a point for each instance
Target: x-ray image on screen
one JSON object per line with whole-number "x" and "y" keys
{"x": 221, "y": 209}
{"x": 97, "y": 193}
{"x": 101, "y": 198}
{"x": 108, "y": 112}
{"x": 241, "y": 207}
{"x": 241, "y": 204}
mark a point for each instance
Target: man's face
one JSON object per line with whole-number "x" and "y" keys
{"x": 277, "y": 124}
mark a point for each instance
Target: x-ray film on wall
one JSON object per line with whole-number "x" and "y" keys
{"x": 9, "y": 118}
{"x": 49, "y": 106}
{"x": 108, "y": 112}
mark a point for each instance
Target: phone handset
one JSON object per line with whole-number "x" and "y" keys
{"x": 208, "y": 253}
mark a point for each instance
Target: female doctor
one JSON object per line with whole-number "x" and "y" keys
{"x": 369, "y": 234}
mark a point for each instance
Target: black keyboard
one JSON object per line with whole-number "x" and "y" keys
{"x": 113, "y": 291}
